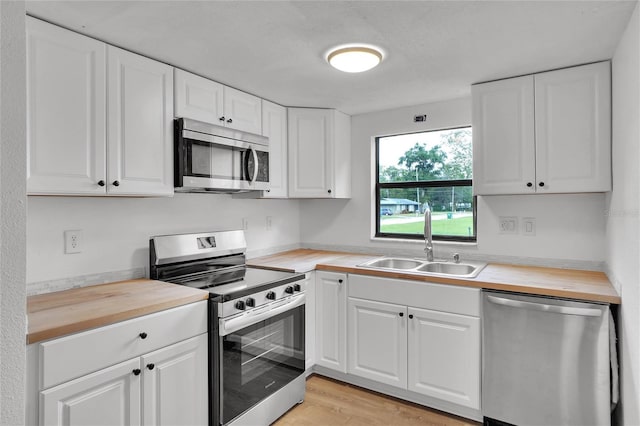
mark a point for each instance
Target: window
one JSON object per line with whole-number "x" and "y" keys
{"x": 432, "y": 167}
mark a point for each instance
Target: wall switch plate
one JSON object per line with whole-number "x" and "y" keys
{"x": 269, "y": 223}
{"x": 529, "y": 226}
{"x": 508, "y": 224}
{"x": 73, "y": 241}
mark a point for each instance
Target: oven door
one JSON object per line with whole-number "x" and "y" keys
{"x": 213, "y": 162}
{"x": 258, "y": 359}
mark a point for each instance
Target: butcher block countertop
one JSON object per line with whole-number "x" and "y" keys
{"x": 574, "y": 284}
{"x": 70, "y": 311}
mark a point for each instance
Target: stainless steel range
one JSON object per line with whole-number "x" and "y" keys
{"x": 256, "y": 324}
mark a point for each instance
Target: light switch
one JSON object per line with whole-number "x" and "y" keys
{"x": 529, "y": 226}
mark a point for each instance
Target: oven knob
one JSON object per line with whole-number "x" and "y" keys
{"x": 250, "y": 302}
{"x": 296, "y": 287}
{"x": 240, "y": 305}
{"x": 288, "y": 290}
{"x": 271, "y": 295}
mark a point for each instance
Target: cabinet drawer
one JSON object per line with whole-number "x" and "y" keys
{"x": 418, "y": 294}
{"x": 73, "y": 356}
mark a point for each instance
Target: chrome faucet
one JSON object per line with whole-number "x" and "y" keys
{"x": 428, "y": 241}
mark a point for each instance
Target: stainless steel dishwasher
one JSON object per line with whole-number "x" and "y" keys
{"x": 545, "y": 361}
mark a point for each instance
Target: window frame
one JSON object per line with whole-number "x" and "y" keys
{"x": 379, "y": 186}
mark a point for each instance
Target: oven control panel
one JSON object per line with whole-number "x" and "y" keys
{"x": 258, "y": 299}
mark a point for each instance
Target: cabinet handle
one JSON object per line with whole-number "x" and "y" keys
{"x": 100, "y": 183}
{"x": 410, "y": 316}
{"x": 151, "y": 366}
{"x": 137, "y": 372}
{"x": 340, "y": 281}
{"x": 541, "y": 184}
{"x": 116, "y": 183}
{"x": 229, "y": 121}
{"x": 329, "y": 191}
{"x": 143, "y": 335}
{"x": 221, "y": 118}
{"x": 401, "y": 314}
{"x": 529, "y": 184}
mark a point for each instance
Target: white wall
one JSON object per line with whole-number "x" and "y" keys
{"x": 116, "y": 231}
{"x": 623, "y": 222}
{"x": 570, "y": 228}
{"x": 12, "y": 212}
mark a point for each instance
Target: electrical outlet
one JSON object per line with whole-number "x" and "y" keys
{"x": 269, "y": 223}
{"x": 73, "y": 241}
{"x": 245, "y": 223}
{"x": 508, "y": 224}
{"x": 529, "y": 226}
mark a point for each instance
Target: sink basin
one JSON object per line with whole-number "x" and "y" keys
{"x": 394, "y": 263}
{"x": 469, "y": 269}
{"x": 447, "y": 268}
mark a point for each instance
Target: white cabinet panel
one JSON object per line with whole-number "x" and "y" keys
{"x": 377, "y": 339}
{"x": 444, "y": 356}
{"x": 274, "y": 126}
{"x": 176, "y": 384}
{"x": 331, "y": 320}
{"x": 198, "y": 98}
{"x": 310, "y": 320}
{"x": 503, "y": 138}
{"x": 66, "y": 119}
{"x": 105, "y": 398}
{"x": 573, "y": 129}
{"x": 319, "y": 153}
{"x": 140, "y": 137}
{"x": 242, "y": 111}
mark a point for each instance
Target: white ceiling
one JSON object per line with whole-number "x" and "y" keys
{"x": 276, "y": 49}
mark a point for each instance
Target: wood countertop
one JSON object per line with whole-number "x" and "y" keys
{"x": 70, "y": 311}
{"x": 591, "y": 286}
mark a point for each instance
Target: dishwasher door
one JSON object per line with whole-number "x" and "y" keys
{"x": 545, "y": 361}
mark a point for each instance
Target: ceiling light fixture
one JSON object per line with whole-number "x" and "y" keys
{"x": 354, "y": 58}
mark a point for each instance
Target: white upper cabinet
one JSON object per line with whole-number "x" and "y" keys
{"x": 205, "y": 100}
{"x": 274, "y": 126}
{"x": 544, "y": 133}
{"x": 140, "y": 136}
{"x": 66, "y": 103}
{"x": 319, "y": 153}
{"x": 83, "y": 142}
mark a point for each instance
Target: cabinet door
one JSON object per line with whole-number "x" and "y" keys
{"x": 309, "y": 131}
{"x": 106, "y": 398}
{"x": 503, "y": 137}
{"x": 176, "y": 384}
{"x": 377, "y": 339}
{"x": 444, "y": 356}
{"x": 274, "y": 126}
{"x": 573, "y": 129}
{"x": 66, "y": 118}
{"x": 331, "y": 316}
{"x": 140, "y": 120}
{"x": 242, "y": 111}
{"x": 198, "y": 98}
{"x": 310, "y": 320}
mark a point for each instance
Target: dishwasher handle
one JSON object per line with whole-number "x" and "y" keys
{"x": 563, "y": 310}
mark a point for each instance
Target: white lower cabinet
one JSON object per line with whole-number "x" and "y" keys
{"x": 416, "y": 336}
{"x": 331, "y": 320}
{"x": 310, "y": 320}
{"x": 157, "y": 373}
{"x": 444, "y": 356}
{"x": 377, "y": 339}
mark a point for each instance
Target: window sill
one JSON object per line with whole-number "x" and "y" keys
{"x": 421, "y": 242}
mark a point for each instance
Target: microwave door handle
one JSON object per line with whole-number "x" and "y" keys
{"x": 255, "y": 165}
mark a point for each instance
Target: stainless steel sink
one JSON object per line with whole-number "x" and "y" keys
{"x": 448, "y": 268}
{"x": 394, "y": 263}
{"x": 468, "y": 269}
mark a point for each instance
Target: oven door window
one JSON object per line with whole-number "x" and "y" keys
{"x": 260, "y": 359}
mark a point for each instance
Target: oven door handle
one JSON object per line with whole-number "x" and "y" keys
{"x": 228, "y": 326}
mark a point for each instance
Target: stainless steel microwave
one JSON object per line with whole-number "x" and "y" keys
{"x": 210, "y": 158}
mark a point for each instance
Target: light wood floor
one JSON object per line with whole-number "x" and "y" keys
{"x": 328, "y": 402}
